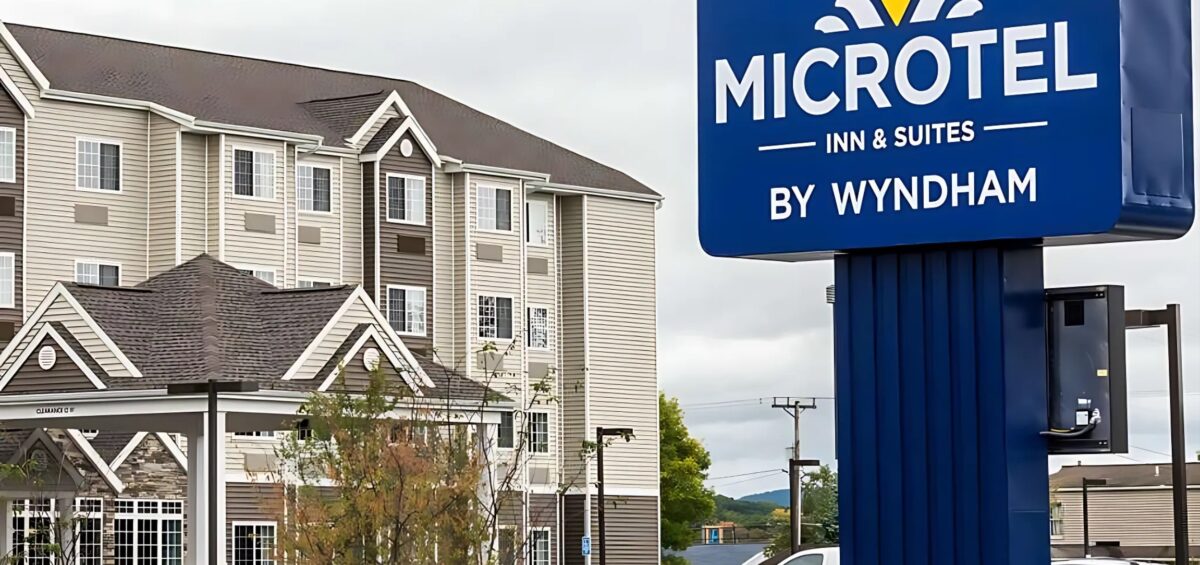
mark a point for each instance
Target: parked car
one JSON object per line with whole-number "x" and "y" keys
{"x": 1099, "y": 561}
{"x": 826, "y": 556}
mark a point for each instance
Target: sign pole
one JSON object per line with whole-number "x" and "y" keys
{"x": 941, "y": 392}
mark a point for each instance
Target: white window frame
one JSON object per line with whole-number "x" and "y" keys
{"x": 99, "y": 263}
{"x": 256, "y": 272}
{"x": 13, "y": 178}
{"x": 533, "y": 546}
{"x": 25, "y": 515}
{"x": 387, "y": 192}
{"x": 479, "y": 224}
{"x": 1057, "y": 518}
{"x": 424, "y": 331}
{"x": 300, "y": 201}
{"x": 78, "y": 518}
{"x": 310, "y": 283}
{"x": 100, "y": 174}
{"x": 254, "y": 174}
{"x": 530, "y": 203}
{"x": 10, "y": 280}
{"x": 512, "y": 321}
{"x": 529, "y": 308}
{"x": 529, "y": 431}
{"x": 257, "y": 560}
{"x": 160, "y": 517}
{"x": 515, "y": 432}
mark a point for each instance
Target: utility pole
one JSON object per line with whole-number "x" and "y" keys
{"x": 794, "y": 407}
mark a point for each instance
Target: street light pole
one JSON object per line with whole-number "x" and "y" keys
{"x": 1087, "y": 539}
{"x": 602, "y": 433}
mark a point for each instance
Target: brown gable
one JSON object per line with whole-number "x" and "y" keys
{"x": 356, "y": 377}
{"x": 64, "y": 375}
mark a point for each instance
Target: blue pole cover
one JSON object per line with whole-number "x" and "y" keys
{"x": 941, "y": 392}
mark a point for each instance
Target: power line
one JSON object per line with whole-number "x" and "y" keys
{"x": 752, "y": 479}
{"x": 746, "y": 474}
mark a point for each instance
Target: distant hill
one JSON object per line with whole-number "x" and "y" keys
{"x": 781, "y": 498}
{"x": 746, "y": 513}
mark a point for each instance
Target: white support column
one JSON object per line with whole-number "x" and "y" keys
{"x": 222, "y": 521}
{"x": 6, "y": 525}
{"x": 65, "y": 505}
{"x": 197, "y": 496}
{"x": 488, "y": 435}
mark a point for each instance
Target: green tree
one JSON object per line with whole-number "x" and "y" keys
{"x": 684, "y": 467}
{"x": 819, "y": 518}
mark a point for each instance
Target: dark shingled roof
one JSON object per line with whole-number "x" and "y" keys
{"x": 110, "y": 444}
{"x": 1122, "y": 476}
{"x": 382, "y": 136}
{"x": 295, "y": 98}
{"x": 205, "y": 319}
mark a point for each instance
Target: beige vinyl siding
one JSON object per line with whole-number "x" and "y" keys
{"x": 542, "y": 290}
{"x": 497, "y": 278}
{"x": 622, "y": 335}
{"x": 321, "y": 262}
{"x": 194, "y": 188}
{"x": 571, "y": 337}
{"x": 61, "y": 311}
{"x": 54, "y": 240}
{"x": 1134, "y": 517}
{"x": 245, "y": 249}
{"x": 163, "y": 159}
{"x": 17, "y": 73}
{"x": 291, "y": 250}
{"x": 214, "y": 158}
{"x": 461, "y": 298}
{"x": 352, "y": 222}
{"x": 445, "y": 284}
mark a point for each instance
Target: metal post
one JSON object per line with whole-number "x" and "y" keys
{"x": 213, "y": 526}
{"x": 1179, "y": 479}
{"x": 600, "y": 490}
{"x": 1087, "y": 542}
{"x": 797, "y": 495}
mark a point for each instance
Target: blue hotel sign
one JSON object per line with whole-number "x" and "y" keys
{"x": 835, "y": 125}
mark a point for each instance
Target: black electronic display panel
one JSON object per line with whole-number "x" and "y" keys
{"x": 1085, "y": 332}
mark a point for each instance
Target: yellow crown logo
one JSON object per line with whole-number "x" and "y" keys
{"x": 869, "y": 14}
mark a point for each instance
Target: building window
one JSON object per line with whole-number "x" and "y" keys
{"x": 1057, "y": 526}
{"x": 539, "y": 547}
{"x": 33, "y": 530}
{"x": 313, "y": 188}
{"x": 504, "y": 437}
{"x": 539, "y": 432}
{"x": 258, "y": 434}
{"x": 98, "y": 165}
{"x": 406, "y": 309}
{"x": 313, "y": 284}
{"x": 8, "y": 277}
{"x": 254, "y": 173}
{"x": 539, "y": 328}
{"x": 89, "y": 531}
{"x": 507, "y": 544}
{"x": 495, "y": 317}
{"x": 95, "y": 273}
{"x": 406, "y": 199}
{"x": 537, "y": 223}
{"x": 265, "y": 275}
{"x": 495, "y": 209}
{"x": 148, "y": 531}
{"x": 8, "y": 155}
{"x": 89, "y": 434}
{"x": 253, "y": 544}
{"x": 304, "y": 431}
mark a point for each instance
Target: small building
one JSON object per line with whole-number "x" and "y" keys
{"x": 716, "y": 535}
{"x": 1130, "y": 517}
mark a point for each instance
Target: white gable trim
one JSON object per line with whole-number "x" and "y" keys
{"x": 34, "y": 319}
{"x": 94, "y": 458}
{"x": 39, "y": 435}
{"x": 368, "y": 335}
{"x": 48, "y": 330}
{"x": 409, "y": 124}
{"x": 127, "y": 451}
{"x": 176, "y": 452}
{"x": 23, "y": 58}
{"x": 393, "y": 99}
{"x": 359, "y": 295}
{"x": 15, "y": 92}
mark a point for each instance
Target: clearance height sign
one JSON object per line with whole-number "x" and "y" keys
{"x": 834, "y": 125}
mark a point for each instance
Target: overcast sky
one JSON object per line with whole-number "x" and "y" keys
{"x": 615, "y": 80}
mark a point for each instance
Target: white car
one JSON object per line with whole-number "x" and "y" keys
{"x": 1100, "y": 561}
{"x": 826, "y": 556}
